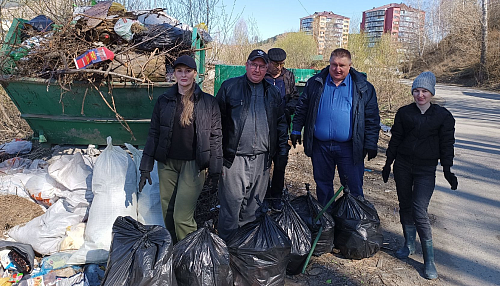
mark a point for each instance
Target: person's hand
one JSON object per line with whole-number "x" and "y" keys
{"x": 386, "y": 171}
{"x": 145, "y": 176}
{"x": 280, "y": 163}
{"x": 452, "y": 179}
{"x": 296, "y": 138}
{"x": 371, "y": 153}
{"x": 213, "y": 182}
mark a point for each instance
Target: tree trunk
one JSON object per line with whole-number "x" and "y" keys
{"x": 483, "y": 73}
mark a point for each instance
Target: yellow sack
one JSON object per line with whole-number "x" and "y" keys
{"x": 3, "y": 281}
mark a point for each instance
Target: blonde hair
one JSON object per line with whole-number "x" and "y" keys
{"x": 187, "y": 105}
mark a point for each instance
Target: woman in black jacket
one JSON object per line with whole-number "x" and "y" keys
{"x": 422, "y": 134}
{"x": 185, "y": 138}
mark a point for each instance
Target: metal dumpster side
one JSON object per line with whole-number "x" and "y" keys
{"x": 81, "y": 115}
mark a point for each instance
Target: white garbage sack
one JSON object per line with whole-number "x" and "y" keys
{"x": 45, "y": 233}
{"x": 149, "y": 210}
{"x": 18, "y": 165}
{"x": 114, "y": 184}
{"x": 16, "y": 146}
{"x": 72, "y": 172}
{"x": 44, "y": 189}
{"x": 15, "y": 185}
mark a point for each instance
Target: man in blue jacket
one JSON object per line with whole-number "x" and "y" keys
{"x": 339, "y": 113}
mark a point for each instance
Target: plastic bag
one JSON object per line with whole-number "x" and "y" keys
{"x": 74, "y": 237}
{"x": 148, "y": 201}
{"x": 163, "y": 36}
{"x": 202, "y": 259}
{"x": 123, "y": 28}
{"x": 114, "y": 184}
{"x": 140, "y": 255}
{"x": 24, "y": 250}
{"x": 357, "y": 227}
{"x": 41, "y": 23}
{"x": 16, "y": 146}
{"x": 55, "y": 261}
{"x": 260, "y": 251}
{"x": 44, "y": 189}
{"x": 308, "y": 209}
{"x": 45, "y": 233}
{"x": 299, "y": 234}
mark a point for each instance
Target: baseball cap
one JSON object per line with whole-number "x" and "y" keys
{"x": 185, "y": 60}
{"x": 258, "y": 54}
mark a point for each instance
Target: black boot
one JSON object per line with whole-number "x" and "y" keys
{"x": 410, "y": 233}
{"x": 430, "y": 271}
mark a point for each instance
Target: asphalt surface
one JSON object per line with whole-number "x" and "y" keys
{"x": 466, "y": 222}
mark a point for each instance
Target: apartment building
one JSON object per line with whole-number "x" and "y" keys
{"x": 328, "y": 29}
{"x": 403, "y": 22}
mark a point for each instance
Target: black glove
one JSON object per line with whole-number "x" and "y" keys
{"x": 296, "y": 138}
{"x": 213, "y": 182}
{"x": 386, "y": 171}
{"x": 142, "y": 182}
{"x": 452, "y": 179}
{"x": 280, "y": 162}
{"x": 371, "y": 153}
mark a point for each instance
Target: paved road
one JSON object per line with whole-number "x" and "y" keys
{"x": 467, "y": 226}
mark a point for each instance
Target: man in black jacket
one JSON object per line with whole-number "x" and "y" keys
{"x": 254, "y": 130}
{"x": 284, "y": 80}
{"x": 339, "y": 112}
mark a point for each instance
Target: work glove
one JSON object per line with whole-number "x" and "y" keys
{"x": 213, "y": 182}
{"x": 296, "y": 138}
{"x": 386, "y": 171}
{"x": 371, "y": 153}
{"x": 280, "y": 163}
{"x": 142, "y": 182}
{"x": 450, "y": 177}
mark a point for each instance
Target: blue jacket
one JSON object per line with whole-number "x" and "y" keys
{"x": 366, "y": 118}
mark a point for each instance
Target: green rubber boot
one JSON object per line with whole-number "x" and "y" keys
{"x": 430, "y": 271}
{"x": 410, "y": 233}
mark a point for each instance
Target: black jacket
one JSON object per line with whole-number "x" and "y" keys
{"x": 366, "y": 118}
{"x": 234, "y": 100}
{"x": 291, "y": 93}
{"x": 422, "y": 139}
{"x": 207, "y": 126}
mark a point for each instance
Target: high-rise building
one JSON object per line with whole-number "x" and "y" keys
{"x": 403, "y": 22}
{"x": 328, "y": 29}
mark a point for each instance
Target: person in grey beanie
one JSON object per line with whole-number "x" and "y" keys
{"x": 423, "y": 134}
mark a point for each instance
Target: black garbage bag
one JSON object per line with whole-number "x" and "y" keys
{"x": 202, "y": 259}
{"x": 41, "y": 23}
{"x": 308, "y": 209}
{"x": 259, "y": 251}
{"x": 357, "y": 227}
{"x": 163, "y": 36}
{"x": 299, "y": 234}
{"x": 21, "y": 255}
{"x": 140, "y": 255}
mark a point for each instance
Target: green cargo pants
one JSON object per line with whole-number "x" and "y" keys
{"x": 181, "y": 183}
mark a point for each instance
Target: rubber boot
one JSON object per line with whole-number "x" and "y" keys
{"x": 410, "y": 233}
{"x": 430, "y": 271}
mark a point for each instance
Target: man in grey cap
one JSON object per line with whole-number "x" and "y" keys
{"x": 254, "y": 130}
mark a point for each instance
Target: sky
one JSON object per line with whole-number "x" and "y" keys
{"x": 274, "y": 17}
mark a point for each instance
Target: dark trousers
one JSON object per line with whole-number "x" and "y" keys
{"x": 328, "y": 155}
{"x": 415, "y": 185}
{"x": 277, "y": 181}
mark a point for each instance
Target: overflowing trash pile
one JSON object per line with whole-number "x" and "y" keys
{"x": 100, "y": 41}
{"x": 97, "y": 229}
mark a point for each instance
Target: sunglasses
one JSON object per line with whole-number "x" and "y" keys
{"x": 278, "y": 64}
